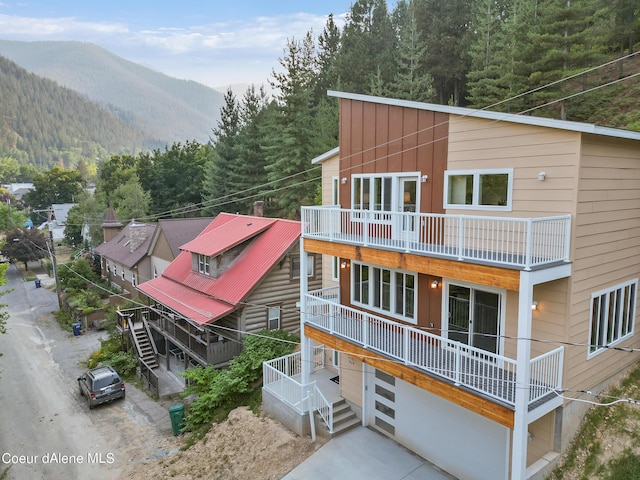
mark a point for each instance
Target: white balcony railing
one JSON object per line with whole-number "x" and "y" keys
{"x": 282, "y": 376}
{"x": 484, "y": 372}
{"x": 513, "y": 242}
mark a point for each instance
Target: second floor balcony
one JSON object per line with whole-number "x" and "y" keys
{"x": 519, "y": 243}
{"x": 486, "y": 373}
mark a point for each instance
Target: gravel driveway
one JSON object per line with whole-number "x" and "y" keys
{"x": 47, "y": 429}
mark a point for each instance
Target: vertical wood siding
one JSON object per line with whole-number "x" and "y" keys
{"x": 376, "y": 138}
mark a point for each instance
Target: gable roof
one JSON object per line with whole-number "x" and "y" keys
{"x": 179, "y": 231}
{"x": 130, "y": 245}
{"x": 491, "y": 115}
{"x": 202, "y": 298}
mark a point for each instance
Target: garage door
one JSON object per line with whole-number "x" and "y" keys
{"x": 459, "y": 441}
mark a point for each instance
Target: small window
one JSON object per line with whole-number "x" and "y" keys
{"x": 201, "y": 263}
{"x": 482, "y": 189}
{"x": 122, "y": 274}
{"x": 295, "y": 266}
{"x": 335, "y": 269}
{"x": 612, "y": 316}
{"x": 133, "y": 279}
{"x": 273, "y": 317}
{"x": 335, "y": 189}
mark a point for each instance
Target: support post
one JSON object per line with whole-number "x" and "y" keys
{"x": 523, "y": 379}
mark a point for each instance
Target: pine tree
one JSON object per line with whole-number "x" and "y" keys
{"x": 293, "y": 143}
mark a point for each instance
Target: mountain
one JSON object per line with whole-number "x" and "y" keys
{"x": 42, "y": 123}
{"x": 166, "y": 108}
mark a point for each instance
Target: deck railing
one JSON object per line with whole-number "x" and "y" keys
{"x": 282, "y": 376}
{"x": 487, "y": 373}
{"x": 514, "y": 242}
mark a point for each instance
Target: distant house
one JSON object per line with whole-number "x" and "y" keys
{"x": 57, "y": 219}
{"x": 487, "y": 285}
{"x": 170, "y": 235}
{"x": 240, "y": 275}
{"x": 124, "y": 255}
{"x": 19, "y": 190}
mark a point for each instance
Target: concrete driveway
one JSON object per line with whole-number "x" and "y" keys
{"x": 363, "y": 454}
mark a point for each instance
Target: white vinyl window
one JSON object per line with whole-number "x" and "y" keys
{"x": 335, "y": 191}
{"x": 385, "y": 290}
{"x": 478, "y": 189}
{"x": 335, "y": 269}
{"x": 612, "y": 316}
{"x": 273, "y": 317}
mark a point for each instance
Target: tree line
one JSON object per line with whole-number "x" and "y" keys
{"x": 509, "y": 55}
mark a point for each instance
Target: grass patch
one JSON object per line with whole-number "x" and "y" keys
{"x": 64, "y": 320}
{"x": 601, "y": 422}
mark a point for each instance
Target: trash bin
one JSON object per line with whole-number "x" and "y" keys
{"x": 38, "y": 283}
{"x": 77, "y": 327}
{"x": 176, "y": 413}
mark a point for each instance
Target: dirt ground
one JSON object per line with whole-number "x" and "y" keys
{"x": 243, "y": 447}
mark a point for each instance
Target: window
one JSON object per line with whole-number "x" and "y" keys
{"x": 474, "y": 316}
{"x": 385, "y": 290}
{"x": 122, "y": 274}
{"x": 202, "y": 263}
{"x": 133, "y": 279}
{"x": 612, "y": 316}
{"x": 335, "y": 189}
{"x": 481, "y": 189}
{"x": 273, "y": 318}
{"x": 372, "y": 193}
{"x": 335, "y": 269}
{"x": 295, "y": 266}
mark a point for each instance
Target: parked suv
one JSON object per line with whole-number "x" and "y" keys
{"x": 101, "y": 385}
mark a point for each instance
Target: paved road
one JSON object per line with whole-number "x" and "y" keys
{"x": 46, "y": 428}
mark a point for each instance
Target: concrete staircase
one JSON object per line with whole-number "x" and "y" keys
{"x": 343, "y": 419}
{"x": 143, "y": 345}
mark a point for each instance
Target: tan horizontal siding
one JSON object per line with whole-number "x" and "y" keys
{"x": 484, "y": 144}
{"x": 606, "y": 250}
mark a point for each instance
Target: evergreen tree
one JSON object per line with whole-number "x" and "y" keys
{"x": 220, "y": 173}
{"x": 443, "y": 27}
{"x": 328, "y": 50}
{"x": 293, "y": 141}
{"x": 368, "y": 47}
{"x": 411, "y": 82}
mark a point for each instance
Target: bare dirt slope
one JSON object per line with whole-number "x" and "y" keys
{"x": 245, "y": 446}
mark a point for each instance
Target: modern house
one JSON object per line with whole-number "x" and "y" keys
{"x": 241, "y": 274}
{"x": 488, "y": 264}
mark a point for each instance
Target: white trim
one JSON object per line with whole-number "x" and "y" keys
{"x": 485, "y": 288}
{"x": 392, "y": 292}
{"x": 632, "y": 316}
{"x": 475, "y": 203}
{"x": 395, "y": 189}
{"x": 325, "y": 155}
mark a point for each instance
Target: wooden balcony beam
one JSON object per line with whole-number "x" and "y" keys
{"x": 507, "y": 278}
{"x": 475, "y": 403}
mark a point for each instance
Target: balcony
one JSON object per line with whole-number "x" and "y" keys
{"x": 483, "y": 372}
{"x": 518, "y": 243}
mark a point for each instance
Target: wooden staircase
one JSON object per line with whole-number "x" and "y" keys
{"x": 343, "y": 419}
{"x": 144, "y": 347}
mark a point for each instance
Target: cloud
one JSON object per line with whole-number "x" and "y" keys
{"x": 216, "y": 53}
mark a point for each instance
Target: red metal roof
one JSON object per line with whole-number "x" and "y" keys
{"x": 204, "y": 299}
{"x": 215, "y": 240}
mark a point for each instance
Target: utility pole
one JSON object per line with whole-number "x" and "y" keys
{"x": 52, "y": 253}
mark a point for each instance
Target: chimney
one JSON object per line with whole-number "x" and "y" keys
{"x": 137, "y": 235}
{"x": 258, "y": 208}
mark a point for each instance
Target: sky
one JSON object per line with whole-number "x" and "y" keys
{"x": 216, "y": 43}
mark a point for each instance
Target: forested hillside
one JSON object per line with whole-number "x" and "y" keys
{"x": 43, "y": 124}
{"x": 573, "y": 60}
{"x": 165, "y": 107}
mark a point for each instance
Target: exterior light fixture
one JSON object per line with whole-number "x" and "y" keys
{"x": 343, "y": 180}
{"x": 542, "y": 176}
{"x": 434, "y": 284}
{"x": 344, "y": 264}
{"x": 534, "y": 305}
{"x": 424, "y": 178}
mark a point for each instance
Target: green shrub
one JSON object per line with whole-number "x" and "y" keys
{"x": 219, "y": 391}
{"x": 64, "y": 319}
